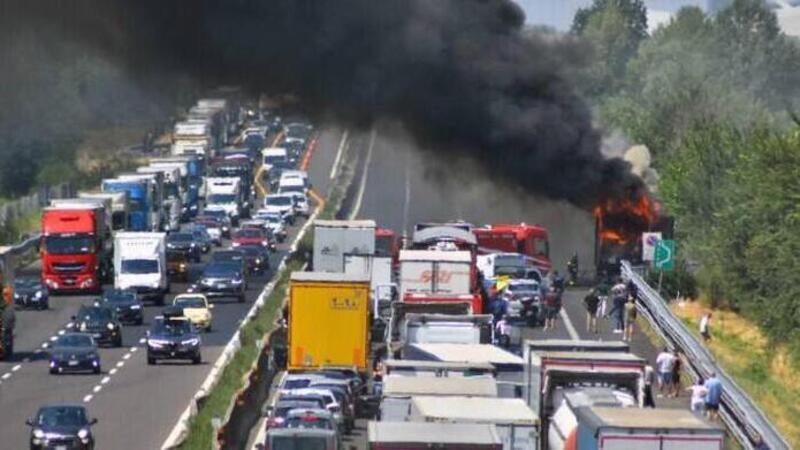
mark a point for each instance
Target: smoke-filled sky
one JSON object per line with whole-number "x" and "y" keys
{"x": 461, "y": 75}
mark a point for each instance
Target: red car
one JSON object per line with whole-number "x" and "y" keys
{"x": 250, "y": 236}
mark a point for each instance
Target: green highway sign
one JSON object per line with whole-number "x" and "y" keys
{"x": 664, "y": 257}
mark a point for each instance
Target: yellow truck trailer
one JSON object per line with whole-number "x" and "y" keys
{"x": 328, "y": 321}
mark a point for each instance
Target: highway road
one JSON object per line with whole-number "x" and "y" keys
{"x": 137, "y": 405}
{"x": 404, "y": 186}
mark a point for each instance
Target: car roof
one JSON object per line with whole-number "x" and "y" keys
{"x": 299, "y": 412}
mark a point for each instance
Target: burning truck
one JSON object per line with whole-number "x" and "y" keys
{"x": 619, "y": 224}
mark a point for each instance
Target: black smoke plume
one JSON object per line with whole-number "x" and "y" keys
{"x": 463, "y": 76}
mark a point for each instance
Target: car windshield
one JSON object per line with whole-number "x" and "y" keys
{"x": 249, "y": 233}
{"x": 293, "y": 188}
{"x": 139, "y": 266}
{"x": 221, "y": 270}
{"x": 279, "y": 200}
{"x": 190, "y": 302}
{"x": 94, "y": 314}
{"x": 27, "y": 283}
{"x": 180, "y": 237}
{"x": 171, "y": 327}
{"x": 251, "y": 250}
{"x": 120, "y": 297}
{"x": 228, "y": 256}
{"x": 523, "y": 287}
{"x": 308, "y": 421}
{"x": 69, "y": 245}
{"x": 274, "y": 159}
{"x": 74, "y": 340}
{"x": 61, "y": 416}
{"x": 297, "y": 443}
{"x": 221, "y": 198}
{"x": 208, "y": 224}
{"x": 296, "y": 384}
{"x": 216, "y": 213}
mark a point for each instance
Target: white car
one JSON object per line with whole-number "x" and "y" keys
{"x": 523, "y": 299}
{"x": 282, "y": 204}
{"x": 272, "y": 222}
{"x": 301, "y": 205}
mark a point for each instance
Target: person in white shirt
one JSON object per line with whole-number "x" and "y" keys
{"x": 705, "y": 327}
{"x": 664, "y": 364}
{"x": 503, "y": 330}
{"x": 699, "y": 391}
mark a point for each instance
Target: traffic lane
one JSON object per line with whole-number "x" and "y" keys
{"x": 323, "y": 157}
{"x": 406, "y": 186}
{"x": 142, "y": 403}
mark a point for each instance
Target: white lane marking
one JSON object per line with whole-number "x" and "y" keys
{"x": 16, "y": 368}
{"x": 61, "y": 332}
{"x": 568, "y": 323}
{"x": 105, "y": 380}
{"x": 88, "y": 398}
{"x": 53, "y": 338}
{"x": 6, "y": 376}
{"x": 121, "y": 363}
{"x": 97, "y": 388}
{"x": 45, "y": 345}
{"x": 126, "y": 356}
{"x": 112, "y": 371}
{"x": 133, "y": 349}
{"x": 69, "y": 325}
{"x": 142, "y": 340}
{"x": 360, "y": 197}
{"x": 406, "y": 200}
{"x": 339, "y": 152}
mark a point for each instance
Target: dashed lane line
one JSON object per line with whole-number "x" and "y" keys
{"x": 88, "y": 398}
{"x": 105, "y": 380}
{"x": 339, "y": 151}
{"x": 97, "y": 388}
{"x": 364, "y": 174}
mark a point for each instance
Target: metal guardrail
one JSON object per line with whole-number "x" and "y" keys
{"x": 743, "y": 417}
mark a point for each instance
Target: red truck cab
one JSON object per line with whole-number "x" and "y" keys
{"x": 73, "y": 249}
{"x": 387, "y": 243}
{"x": 529, "y": 240}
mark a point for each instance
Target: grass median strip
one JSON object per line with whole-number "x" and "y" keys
{"x": 201, "y": 432}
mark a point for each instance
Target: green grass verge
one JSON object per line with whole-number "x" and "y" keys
{"x": 26, "y": 224}
{"x": 201, "y": 432}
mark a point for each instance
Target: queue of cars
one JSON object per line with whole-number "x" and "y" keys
{"x": 171, "y": 256}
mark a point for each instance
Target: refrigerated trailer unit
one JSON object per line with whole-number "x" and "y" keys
{"x": 603, "y": 428}
{"x": 516, "y": 424}
{"x": 333, "y": 239}
{"x": 436, "y": 272}
{"x": 424, "y": 436}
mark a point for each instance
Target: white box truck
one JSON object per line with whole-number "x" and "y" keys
{"x": 446, "y": 329}
{"x": 333, "y": 239}
{"x": 398, "y": 391}
{"x": 225, "y": 193}
{"x": 603, "y": 428}
{"x": 516, "y": 424}
{"x": 140, "y": 264}
{"x": 435, "y": 272}
{"x": 382, "y": 285}
{"x": 119, "y": 206}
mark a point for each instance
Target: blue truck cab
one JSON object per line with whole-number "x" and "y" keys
{"x": 154, "y": 183}
{"x": 139, "y": 217}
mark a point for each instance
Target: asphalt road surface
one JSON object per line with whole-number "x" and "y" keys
{"x": 137, "y": 405}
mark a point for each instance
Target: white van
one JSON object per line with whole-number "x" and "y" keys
{"x": 271, "y": 156}
{"x": 140, "y": 263}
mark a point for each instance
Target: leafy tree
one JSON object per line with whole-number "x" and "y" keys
{"x": 614, "y": 29}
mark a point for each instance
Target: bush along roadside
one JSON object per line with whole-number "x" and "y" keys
{"x": 214, "y": 412}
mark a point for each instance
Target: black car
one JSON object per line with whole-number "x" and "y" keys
{"x": 126, "y": 304}
{"x": 222, "y": 279}
{"x": 201, "y": 237}
{"x": 30, "y": 292}
{"x": 184, "y": 243}
{"x": 256, "y": 258}
{"x": 230, "y": 256}
{"x": 220, "y": 216}
{"x": 173, "y": 337}
{"x": 74, "y": 352}
{"x": 101, "y": 322}
{"x": 64, "y": 426}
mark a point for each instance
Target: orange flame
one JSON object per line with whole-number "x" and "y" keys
{"x": 623, "y": 220}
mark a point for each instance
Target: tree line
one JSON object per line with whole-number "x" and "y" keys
{"x": 716, "y": 98}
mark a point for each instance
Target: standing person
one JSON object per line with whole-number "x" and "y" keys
{"x": 713, "y": 396}
{"x": 664, "y": 363}
{"x": 676, "y": 373}
{"x": 618, "y": 307}
{"x": 503, "y": 330}
{"x": 630, "y": 318}
{"x": 552, "y": 302}
{"x": 649, "y": 381}
{"x": 591, "y": 302}
{"x": 705, "y": 327}
{"x": 699, "y": 391}
{"x": 558, "y": 282}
